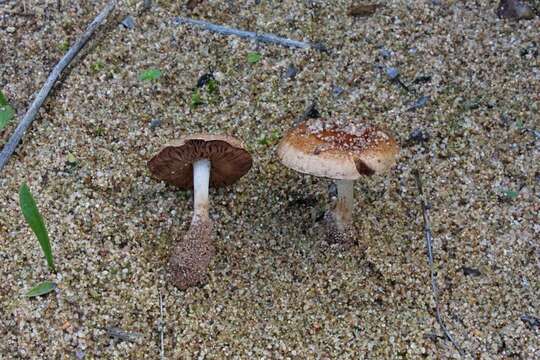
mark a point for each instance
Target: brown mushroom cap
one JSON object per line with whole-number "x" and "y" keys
{"x": 338, "y": 150}
{"x": 228, "y": 160}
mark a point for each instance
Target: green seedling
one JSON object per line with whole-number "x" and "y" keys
{"x": 63, "y": 46}
{"x": 34, "y": 219}
{"x": 212, "y": 86}
{"x": 97, "y": 66}
{"x": 254, "y": 57}
{"x": 6, "y": 111}
{"x": 99, "y": 131}
{"x": 511, "y": 194}
{"x": 196, "y": 99}
{"x": 269, "y": 139}
{"x": 150, "y": 75}
{"x": 71, "y": 159}
{"x": 41, "y": 289}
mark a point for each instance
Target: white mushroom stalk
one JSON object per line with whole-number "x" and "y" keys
{"x": 186, "y": 163}
{"x": 344, "y": 204}
{"x": 201, "y": 181}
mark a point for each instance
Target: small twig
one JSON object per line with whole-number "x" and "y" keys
{"x": 13, "y": 141}
{"x": 429, "y": 246}
{"x": 161, "y": 328}
{"x": 402, "y": 84}
{"x": 261, "y": 37}
{"x": 121, "y": 334}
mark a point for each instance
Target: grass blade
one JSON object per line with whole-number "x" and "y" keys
{"x": 150, "y": 74}
{"x": 41, "y": 289}
{"x": 34, "y": 219}
{"x": 6, "y": 111}
{"x": 3, "y": 100}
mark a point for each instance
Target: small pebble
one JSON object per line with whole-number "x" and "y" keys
{"x": 385, "y": 53}
{"x": 155, "y": 123}
{"x": 79, "y": 354}
{"x": 467, "y": 271}
{"x": 418, "y": 103}
{"x": 219, "y": 76}
{"x": 332, "y": 190}
{"x": 418, "y": 136}
{"x": 392, "y": 73}
{"x": 128, "y": 22}
{"x": 291, "y": 72}
{"x": 10, "y": 29}
{"x": 531, "y": 321}
{"x": 312, "y": 112}
{"x": 337, "y": 90}
{"x": 204, "y": 79}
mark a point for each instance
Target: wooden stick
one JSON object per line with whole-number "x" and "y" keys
{"x": 161, "y": 327}
{"x": 17, "y": 135}
{"x": 262, "y": 37}
{"x": 429, "y": 246}
{"x": 118, "y": 333}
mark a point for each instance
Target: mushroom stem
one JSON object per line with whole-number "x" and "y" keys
{"x": 344, "y": 204}
{"x": 201, "y": 180}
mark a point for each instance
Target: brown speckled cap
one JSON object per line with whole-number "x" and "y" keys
{"x": 338, "y": 150}
{"x": 229, "y": 160}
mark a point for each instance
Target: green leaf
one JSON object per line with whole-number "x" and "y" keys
{"x": 97, "y": 66}
{"x": 511, "y": 194}
{"x": 71, "y": 159}
{"x": 6, "y": 111}
{"x": 254, "y": 57}
{"x": 269, "y": 140}
{"x": 150, "y": 74}
{"x": 63, "y": 46}
{"x": 34, "y": 219}
{"x": 41, "y": 289}
{"x": 212, "y": 86}
{"x": 3, "y": 100}
{"x": 196, "y": 99}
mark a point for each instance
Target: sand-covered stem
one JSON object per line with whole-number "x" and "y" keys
{"x": 339, "y": 218}
{"x": 190, "y": 258}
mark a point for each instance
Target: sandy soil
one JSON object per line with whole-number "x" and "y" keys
{"x": 276, "y": 290}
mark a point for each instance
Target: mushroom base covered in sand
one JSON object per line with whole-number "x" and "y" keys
{"x": 340, "y": 150}
{"x": 198, "y": 162}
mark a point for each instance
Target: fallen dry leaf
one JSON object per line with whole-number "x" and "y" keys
{"x": 192, "y": 4}
{"x": 363, "y": 10}
{"x": 515, "y": 9}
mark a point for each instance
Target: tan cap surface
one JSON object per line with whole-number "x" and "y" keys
{"x": 338, "y": 150}
{"x": 228, "y": 160}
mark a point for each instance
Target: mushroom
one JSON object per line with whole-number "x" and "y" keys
{"x": 198, "y": 161}
{"x": 340, "y": 150}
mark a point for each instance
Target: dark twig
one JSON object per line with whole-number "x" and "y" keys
{"x": 161, "y": 328}
{"x": 429, "y": 247}
{"x": 13, "y": 141}
{"x": 260, "y": 37}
